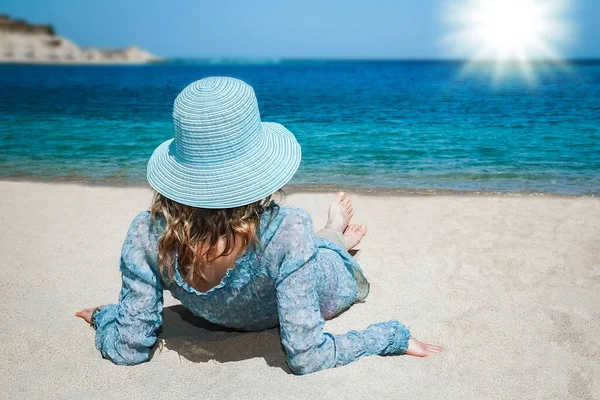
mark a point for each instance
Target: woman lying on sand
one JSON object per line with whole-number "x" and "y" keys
{"x": 214, "y": 238}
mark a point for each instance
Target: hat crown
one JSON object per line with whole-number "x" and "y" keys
{"x": 222, "y": 155}
{"x": 215, "y": 118}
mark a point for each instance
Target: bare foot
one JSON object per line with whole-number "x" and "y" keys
{"x": 340, "y": 212}
{"x": 420, "y": 349}
{"x": 354, "y": 234}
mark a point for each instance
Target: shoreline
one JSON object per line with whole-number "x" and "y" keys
{"x": 324, "y": 188}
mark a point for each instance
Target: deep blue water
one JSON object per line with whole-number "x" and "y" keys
{"x": 396, "y": 124}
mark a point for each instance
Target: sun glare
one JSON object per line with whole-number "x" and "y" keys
{"x": 508, "y": 33}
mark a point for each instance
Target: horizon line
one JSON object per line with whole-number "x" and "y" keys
{"x": 283, "y": 59}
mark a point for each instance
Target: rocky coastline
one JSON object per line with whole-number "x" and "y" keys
{"x": 24, "y": 43}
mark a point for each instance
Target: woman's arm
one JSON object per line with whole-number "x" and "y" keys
{"x": 308, "y": 347}
{"x": 125, "y": 332}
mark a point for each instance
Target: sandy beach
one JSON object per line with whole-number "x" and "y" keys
{"x": 510, "y": 286}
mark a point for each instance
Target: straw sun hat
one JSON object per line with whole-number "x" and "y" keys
{"x": 222, "y": 155}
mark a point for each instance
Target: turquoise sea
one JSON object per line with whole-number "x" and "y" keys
{"x": 376, "y": 125}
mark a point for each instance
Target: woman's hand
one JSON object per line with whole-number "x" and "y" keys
{"x": 86, "y": 314}
{"x": 419, "y": 349}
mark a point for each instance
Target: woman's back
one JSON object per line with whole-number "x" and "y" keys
{"x": 215, "y": 270}
{"x": 245, "y": 297}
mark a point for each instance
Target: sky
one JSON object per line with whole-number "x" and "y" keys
{"x": 275, "y": 28}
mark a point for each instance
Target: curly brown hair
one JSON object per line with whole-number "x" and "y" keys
{"x": 195, "y": 234}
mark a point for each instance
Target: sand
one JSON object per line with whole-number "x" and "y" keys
{"x": 509, "y": 285}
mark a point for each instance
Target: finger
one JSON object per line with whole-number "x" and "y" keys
{"x": 435, "y": 349}
{"x": 82, "y": 316}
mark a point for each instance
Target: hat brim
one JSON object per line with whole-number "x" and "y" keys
{"x": 231, "y": 184}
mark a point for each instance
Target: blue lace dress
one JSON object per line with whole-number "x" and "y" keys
{"x": 292, "y": 279}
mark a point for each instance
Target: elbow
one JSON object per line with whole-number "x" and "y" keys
{"x": 302, "y": 365}
{"x": 126, "y": 359}
{"x": 121, "y": 353}
{"x": 128, "y": 362}
{"x": 300, "y": 369}
{"x": 315, "y": 356}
